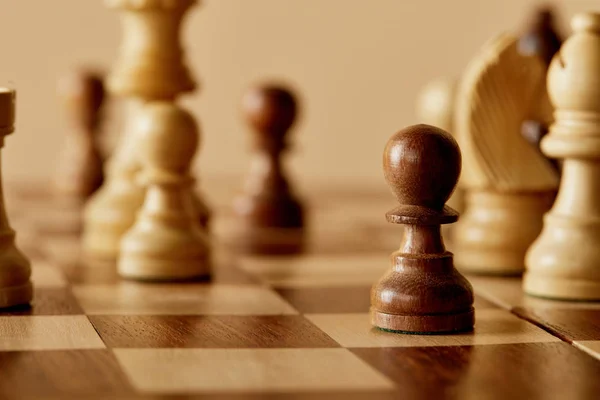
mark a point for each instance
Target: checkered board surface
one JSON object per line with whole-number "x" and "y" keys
{"x": 286, "y": 327}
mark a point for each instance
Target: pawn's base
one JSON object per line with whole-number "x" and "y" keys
{"x": 561, "y": 288}
{"x": 16, "y": 295}
{"x": 496, "y": 230}
{"x": 147, "y": 269}
{"x": 424, "y": 324}
{"x": 271, "y": 241}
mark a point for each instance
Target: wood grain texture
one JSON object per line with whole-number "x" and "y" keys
{"x": 248, "y": 370}
{"x": 77, "y": 373}
{"x": 188, "y": 345}
{"x": 499, "y": 90}
{"x": 340, "y": 300}
{"x": 47, "y": 332}
{"x": 210, "y": 332}
{"x": 515, "y": 371}
{"x": 328, "y": 299}
{"x": 567, "y": 324}
{"x": 493, "y": 326}
{"x": 132, "y": 298}
{"x": 59, "y": 301}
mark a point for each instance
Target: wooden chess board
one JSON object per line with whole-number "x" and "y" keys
{"x": 285, "y": 327}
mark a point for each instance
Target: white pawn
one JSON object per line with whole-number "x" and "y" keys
{"x": 166, "y": 242}
{"x": 564, "y": 261}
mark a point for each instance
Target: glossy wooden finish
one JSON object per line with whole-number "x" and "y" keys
{"x": 422, "y": 292}
{"x": 43, "y": 374}
{"x": 293, "y": 327}
{"x": 223, "y": 331}
{"x": 517, "y": 371}
{"x": 268, "y": 208}
{"x": 568, "y": 324}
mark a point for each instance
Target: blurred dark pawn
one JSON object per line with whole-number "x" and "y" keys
{"x": 540, "y": 36}
{"x": 80, "y": 166}
{"x": 271, "y": 217}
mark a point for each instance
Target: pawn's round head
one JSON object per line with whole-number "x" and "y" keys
{"x": 421, "y": 165}
{"x": 270, "y": 109}
{"x": 168, "y": 137}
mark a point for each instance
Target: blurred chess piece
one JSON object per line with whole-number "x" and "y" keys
{"x": 422, "y": 292}
{"x": 563, "y": 261}
{"x": 167, "y": 241}
{"x": 270, "y": 216}
{"x": 150, "y": 67}
{"x": 540, "y": 38}
{"x": 15, "y": 269}
{"x": 508, "y": 184}
{"x": 435, "y": 106}
{"x": 79, "y": 171}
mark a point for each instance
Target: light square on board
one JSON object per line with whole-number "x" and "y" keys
{"x": 508, "y": 293}
{"x": 317, "y": 270}
{"x": 62, "y": 374}
{"x": 133, "y": 298}
{"x": 492, "y": 326}
{"x": 248, "y": 370}
{"x": 592, "y": 347}
{"x": 48, "y": 333}
{"x": 568, "y": 324}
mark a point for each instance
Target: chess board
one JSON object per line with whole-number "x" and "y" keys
{"x": 274, "y": 327}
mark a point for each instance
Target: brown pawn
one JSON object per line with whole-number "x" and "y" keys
{"x": 422, "y": 292}
{"x": 271, "y": 216}
{"x": 79, "y": 172}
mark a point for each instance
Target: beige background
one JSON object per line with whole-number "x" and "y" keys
{"x": 358, "y": 65}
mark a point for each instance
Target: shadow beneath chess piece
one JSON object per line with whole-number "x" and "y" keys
{"x": 271, "y": 218}
{"x": 422, "y": 292}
